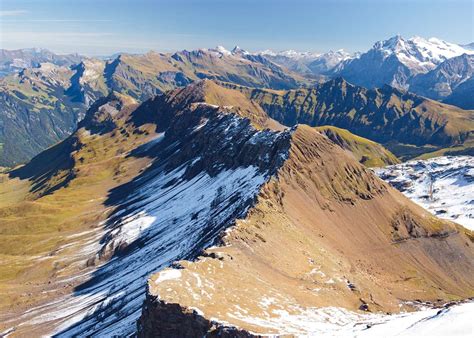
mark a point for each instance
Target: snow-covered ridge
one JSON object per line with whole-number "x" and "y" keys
{"x": 203, "y": 179}
{"x": 443, "y": 185}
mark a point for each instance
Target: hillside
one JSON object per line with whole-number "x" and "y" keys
{"x": 431, "y": 183}
{"x": 34, "y": 112}
{"x": 139, "y": 187}
{"x": 394, "y": 118}
{"x": 142, "y": 76}
{"x": 365, "y": 151}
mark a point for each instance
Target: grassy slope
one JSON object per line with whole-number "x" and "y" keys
{"x": 37, "y": 223}
{"x": 142, "y": 76}
{"x": 322, "y": 222}
{"x": 367, "y": 152}
{"x": 467, "y": 148}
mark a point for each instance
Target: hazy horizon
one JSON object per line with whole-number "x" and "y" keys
{"x": 104, "y": 27}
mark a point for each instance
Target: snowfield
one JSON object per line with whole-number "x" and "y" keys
{"x": 442, "y": 185}
{"x": 453, "y": 321}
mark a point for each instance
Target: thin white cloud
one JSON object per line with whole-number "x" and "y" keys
{"x": 16, "y": 12}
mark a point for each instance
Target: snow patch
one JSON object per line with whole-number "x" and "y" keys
{"x": 168, "y": 275}
{"x": 443, "y": 185}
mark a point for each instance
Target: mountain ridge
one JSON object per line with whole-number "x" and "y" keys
{"x": 280, "y": 284}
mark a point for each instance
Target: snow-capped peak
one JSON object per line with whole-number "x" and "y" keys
{"x": 390, "y": 44}
{"x": 238, "y": 50}
{"x": 340, "y": 53}
{"x": 222, "y": 50}
{"x": 419, "y": 53}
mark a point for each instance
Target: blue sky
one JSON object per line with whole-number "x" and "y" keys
{"x": 99, "y": 27}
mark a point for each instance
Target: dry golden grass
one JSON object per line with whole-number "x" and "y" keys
{"x": 42, "y": 234}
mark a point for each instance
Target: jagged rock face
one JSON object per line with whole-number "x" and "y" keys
{"x": 102, "y": 115}
{"x": 163, "y": 320}
{"x": 87, "y": 83}
{"x": 319, "y": 235}
{"x": 444, "y": 79}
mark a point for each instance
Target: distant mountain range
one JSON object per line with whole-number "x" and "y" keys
{"x": 12, "y": 61}
{"x": 429, "y": 67}
{"x": 396, "y": 60}
{"x": 433, "y": 68}
{"x": 44, "y": 95}
{"x": 310, "y": 63}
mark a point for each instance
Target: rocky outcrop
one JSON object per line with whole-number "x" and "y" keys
{"x": 171, "y": 320}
